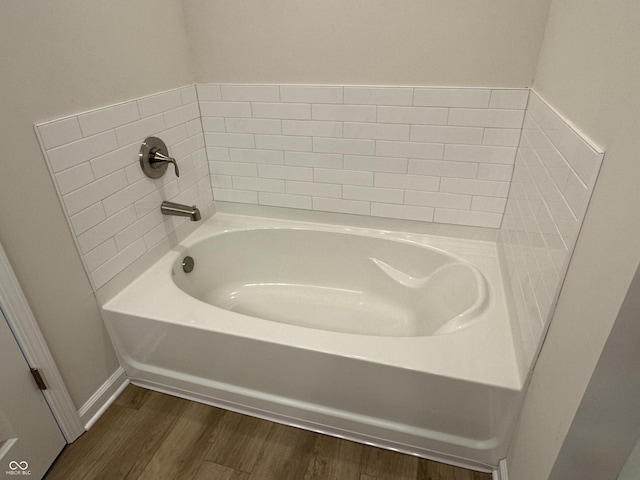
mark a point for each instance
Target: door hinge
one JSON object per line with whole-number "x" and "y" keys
{"x": 37, "y": 376}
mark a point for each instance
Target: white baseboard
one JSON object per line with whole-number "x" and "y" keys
{"x": 501, "y": 472}
{"x": 93, "y": 408}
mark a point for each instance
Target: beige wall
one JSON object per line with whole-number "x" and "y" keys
{"x": 589, "y": 69}
{"x": 60, "y": 57}
{"x": 370, "y": 42}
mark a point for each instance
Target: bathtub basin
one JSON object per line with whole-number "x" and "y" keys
{"x": 335, "y": 281}
{"x": 393, "y": 339}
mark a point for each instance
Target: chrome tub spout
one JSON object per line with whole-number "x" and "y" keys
{"x": 171, "y": 208}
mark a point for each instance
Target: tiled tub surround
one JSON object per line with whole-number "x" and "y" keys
{"x": 431, "y": 154}
{"x": 112, "y": 207}
{"x": 554, "y": 176}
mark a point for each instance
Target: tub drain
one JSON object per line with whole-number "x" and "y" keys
{"x": 187, "y": 264}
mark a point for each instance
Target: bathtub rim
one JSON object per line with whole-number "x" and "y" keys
{"x": 490, "y": 371}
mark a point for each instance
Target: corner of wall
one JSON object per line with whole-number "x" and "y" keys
{"x": 102, "y": 398}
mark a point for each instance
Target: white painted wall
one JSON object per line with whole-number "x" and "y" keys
{"x": 60, "y": 57}
{"x": 631, "y": 469}
{"x": 607, "y": 422}
{"x": 589, "y": 69}
{"x": 367, "y": 42}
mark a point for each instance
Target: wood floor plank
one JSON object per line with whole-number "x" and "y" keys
{"x": 133, "y": 397}
{"x": 388, "y": 465}
{"x": 77, "y": 459}
{"x": 430, "y": 470}
{"x": 285, "y": 455}
{"x": 184, "y": 447}
{"x": 128, "y": 456}
{"x": 146, "y": 435}
{"x": 336, "y": 459}
{"x": 213, "y": 471}
{"x": 237, "y": 441}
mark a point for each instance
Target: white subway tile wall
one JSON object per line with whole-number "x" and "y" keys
{"x": 430, "y": 154}
{"x": 468, "y": 156}
{"x": 112, "y": 207}
{"x": 553, "y": 179}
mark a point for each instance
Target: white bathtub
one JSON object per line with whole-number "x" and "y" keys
{"x": 394, "y": 339}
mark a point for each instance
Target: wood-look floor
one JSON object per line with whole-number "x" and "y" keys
{"x": 149, "y": 435}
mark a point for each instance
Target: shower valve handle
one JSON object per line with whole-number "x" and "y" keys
{"x": 154, "y": 158}
{"x": 157, "y": 157}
